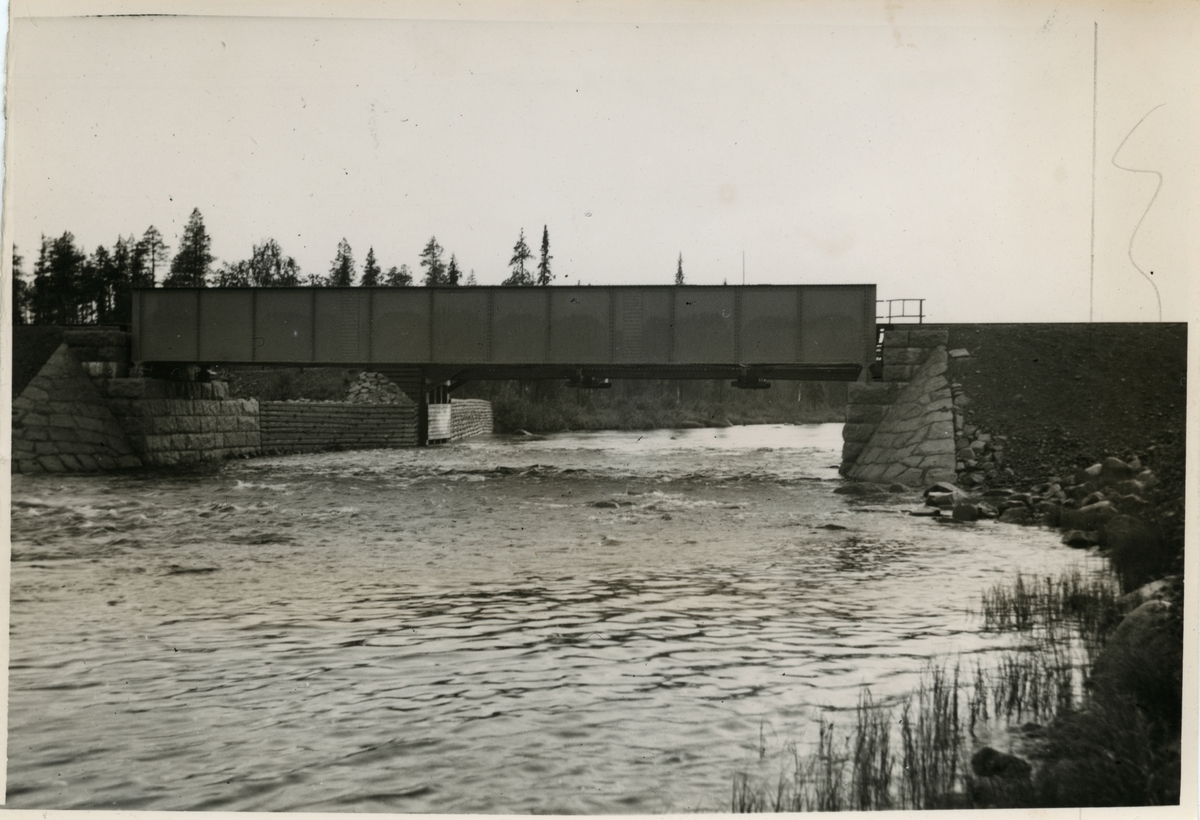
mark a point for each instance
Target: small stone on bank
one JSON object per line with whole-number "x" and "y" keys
{"x": 1081, "y": 539}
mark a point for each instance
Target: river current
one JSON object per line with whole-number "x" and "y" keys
{"x": 587, "y": 622}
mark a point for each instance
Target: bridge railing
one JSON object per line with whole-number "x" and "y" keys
{"x": 887, "y": 311}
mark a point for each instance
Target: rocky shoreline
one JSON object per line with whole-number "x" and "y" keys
{"x": 1121, "y": 509}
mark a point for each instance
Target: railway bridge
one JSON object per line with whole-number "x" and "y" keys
{"x": 431, "y": 340}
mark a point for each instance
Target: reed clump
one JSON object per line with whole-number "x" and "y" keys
{"x": 869, "y": 767}
{"x": 1103, "y": 708}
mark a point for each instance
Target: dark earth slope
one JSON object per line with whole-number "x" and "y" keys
{"x": 1069, "y": 395}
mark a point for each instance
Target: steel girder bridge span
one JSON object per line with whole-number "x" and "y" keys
{"x": 432, "y": 340}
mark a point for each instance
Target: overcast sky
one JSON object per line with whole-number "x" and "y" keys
{"x": 949, "y": 159}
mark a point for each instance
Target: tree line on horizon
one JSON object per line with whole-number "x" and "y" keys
{"x": 71, "y": 287}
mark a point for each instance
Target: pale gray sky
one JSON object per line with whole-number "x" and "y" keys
{"x": 947, "y": 158}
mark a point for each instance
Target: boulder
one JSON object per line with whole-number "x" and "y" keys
{"x": 1132, "y": 505}
{"x": 1084, "y": 475}
{"x": 965, "y": 511}
{"x": 860, "y": 488}
{"x": 1017, "y": 515}
{"x": 1081, "y": 539}
{"x": 1112, "y": 469}
{"x": 1153, "y": 591}
{"x": 1143, "y": 658}
{"x": 1089, "y": 517}
{"x": 1130, "y": 486}
{"x": 944, "y": 487}
{"x": 1127, "y": 534}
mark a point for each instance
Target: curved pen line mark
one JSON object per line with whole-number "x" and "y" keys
{"x": 1148, "y": 206}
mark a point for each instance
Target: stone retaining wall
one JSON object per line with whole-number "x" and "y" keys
{"x": 170, "y": 423}
{"x": 470, "y": 417}
{"x": 902, "y": 430}
{"x": 302, "y": 427}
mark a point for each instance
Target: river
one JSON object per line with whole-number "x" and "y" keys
{"x": 589, "y": 622}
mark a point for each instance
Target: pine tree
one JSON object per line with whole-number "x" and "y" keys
{"x": 371, "y": 272}
{"x": 471, "y": 280}
{"x": 399, "y": 277}
{"x": 341, "y": 270}
{"x": 21, "y": 291}
{"x": 521, "y": 254}
{"x": 431, "y": 261}
{"x": 544, "y": 276}
{"x": 189, "y": 268}
{"x": 153, "y": 250}
{"x": 453, "y": 274}
{"x": 679, "y": 271}
{"x": 98, "y": 285}
{"x": 140, "y": 275}
{"x": 39, "y": 301}
{"x": 128, "y": 272}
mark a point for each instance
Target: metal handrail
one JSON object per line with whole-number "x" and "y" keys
{"x": 903, "y": 313}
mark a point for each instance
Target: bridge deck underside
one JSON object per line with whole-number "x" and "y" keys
{"x": 486, "y": 372}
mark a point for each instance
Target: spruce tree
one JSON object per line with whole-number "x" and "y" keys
{"x": 544, "y": 276}
{"x": 60, "y": 292}
{"x": 521, "y": 254}
{"x": 189, "y": 268}
{"x": 341, "y": 270}
{"x": 431, "y": 261}
{"x": 679, "y": 270}
{"x": 371, "y": 271}
{"x": 98, "y": 275}
{"x": 453, "y": 274}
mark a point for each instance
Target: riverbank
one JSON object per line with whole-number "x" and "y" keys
{"x": 1087, "y": 708}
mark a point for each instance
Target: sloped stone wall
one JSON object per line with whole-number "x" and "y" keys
{"x": 912, "y": 441}
{"x": 303, "y": 427}
{"x": 61, "y": 423}
{"x": 470, "y": 417}
{"x": 866, "y": 403}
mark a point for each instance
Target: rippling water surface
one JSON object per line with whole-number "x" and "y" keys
{"x": 584, "y": 623}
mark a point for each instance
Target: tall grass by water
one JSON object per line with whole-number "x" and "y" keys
{"x": 907, "y": 755}
{"x": 1092, "y": 743}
